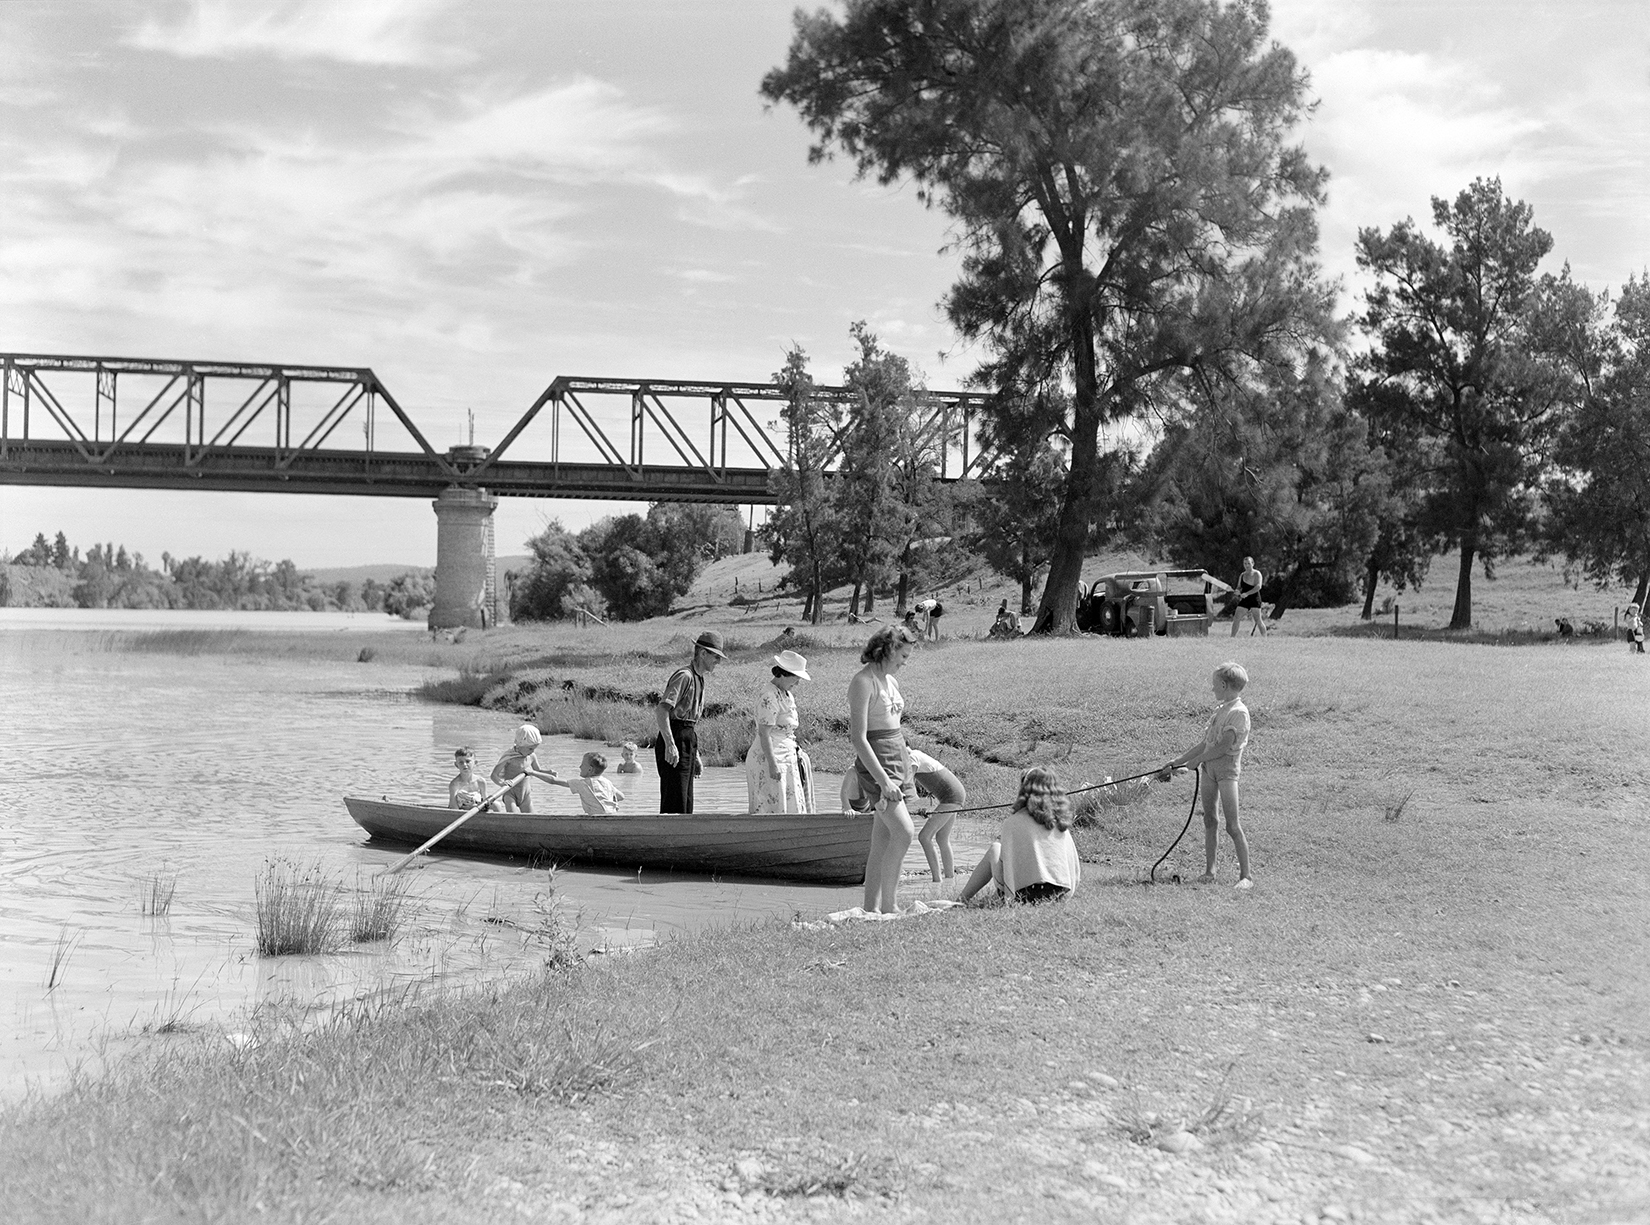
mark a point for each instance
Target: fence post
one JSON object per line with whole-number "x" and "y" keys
{"x": 1395, "y": 620}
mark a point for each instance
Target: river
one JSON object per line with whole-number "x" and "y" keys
{"x": 125, "y": 770}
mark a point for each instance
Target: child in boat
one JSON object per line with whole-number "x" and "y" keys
{"x": 627, "y": 759}
{"x": 522, "y": 763}
{"x": 599, "y": 797}
{"x": 1219, "y": 759}
{"x": 468, "y": 788}
{"x": 1033, "y": 859}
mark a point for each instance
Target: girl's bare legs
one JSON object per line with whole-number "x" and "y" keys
{"x": 1211, "y": 823}
{"x": 890, "y": 839}
{"x": 936, "y": 842}
{"x": 983, "y": 872}
{"x": 1240, "y": 844}
{"x": 1260, "y": 623}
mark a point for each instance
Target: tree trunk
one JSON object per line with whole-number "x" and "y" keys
{"x": 853, "y": 602}
{"x": 1025, "y": 593}
{"x": 1643, "y": 589}
{"x": 1372, "y": 576}
{"x": 1461, "y": 618}
{"x": 1057, "y": 614}
{"x": 902, "y": 593}
{"x": 870, "y": 597}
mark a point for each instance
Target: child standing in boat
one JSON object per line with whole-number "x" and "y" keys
{"x": 599, "y": 797}
{"x": 521, "y": 763}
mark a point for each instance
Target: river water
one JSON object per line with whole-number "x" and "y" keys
{"x": 124, "y": 770}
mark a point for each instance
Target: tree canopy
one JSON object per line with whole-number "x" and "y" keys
{"x": 1117, "y": 170}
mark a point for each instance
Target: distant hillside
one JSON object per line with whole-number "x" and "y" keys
{"x": 384, "y": 572}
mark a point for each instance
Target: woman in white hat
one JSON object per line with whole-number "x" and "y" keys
{"x": 775, "y": 777}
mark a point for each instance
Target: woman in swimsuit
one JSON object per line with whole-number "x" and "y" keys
{"x": 1248, "y": 597}
{"x": 882, "y": 763}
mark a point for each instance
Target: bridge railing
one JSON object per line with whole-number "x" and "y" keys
{"x": 143, "y": 422}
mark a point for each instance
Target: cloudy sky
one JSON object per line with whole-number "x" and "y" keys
{"x": 474, "y": 198}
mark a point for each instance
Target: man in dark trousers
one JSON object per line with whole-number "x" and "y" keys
{"x": 676, "y": 747}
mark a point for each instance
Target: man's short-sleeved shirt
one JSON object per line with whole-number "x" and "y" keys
{"x": 685, "y": 695}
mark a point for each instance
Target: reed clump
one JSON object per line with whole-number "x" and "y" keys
{"x": 298, "y": 910}
{"x": 155, "y": 899}
{"x": 379, "y": 910}
{"x": 468, "y": 688}
{"x": 62, "y": 950}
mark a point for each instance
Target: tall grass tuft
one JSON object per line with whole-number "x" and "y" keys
{"x": 468, "y": 688}
{"x": 61, "y": 952}
{"x": 155, "y": 900}
{"x": 378, "y": 910}
{"x": 298, "y": 910}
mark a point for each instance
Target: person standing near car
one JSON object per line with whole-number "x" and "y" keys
{"x": 1248, "y": 597}
{"x": 676, "y": 748}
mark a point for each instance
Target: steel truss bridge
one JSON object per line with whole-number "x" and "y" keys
{"x": 153, "y": 424}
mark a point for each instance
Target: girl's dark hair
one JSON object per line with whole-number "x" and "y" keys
{"x": 1043, "y": 797}
{"x": 883, "y": 642}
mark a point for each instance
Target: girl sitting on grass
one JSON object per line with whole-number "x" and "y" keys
{"x": 1034, "y": 858}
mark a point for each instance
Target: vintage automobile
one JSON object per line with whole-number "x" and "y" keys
{"x": 1136, "y": 603}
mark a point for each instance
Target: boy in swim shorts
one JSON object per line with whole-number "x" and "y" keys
{"x": 938, "y": 783}
{"x": 1219, "y": 760}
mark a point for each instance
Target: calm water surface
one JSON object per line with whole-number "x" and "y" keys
{"x": 125, "y": 768}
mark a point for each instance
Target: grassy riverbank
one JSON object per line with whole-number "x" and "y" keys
{"x": 1433, "y": 1005}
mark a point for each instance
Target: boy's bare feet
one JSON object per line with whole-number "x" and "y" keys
{"x": 1208, "y": 878}
{"x": 1245, "y": 883}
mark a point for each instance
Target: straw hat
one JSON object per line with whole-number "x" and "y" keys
{"x": 792, "y": 663}
{"x": 711, "y": 641}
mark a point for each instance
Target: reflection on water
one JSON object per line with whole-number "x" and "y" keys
{"x": 124, "y": 770}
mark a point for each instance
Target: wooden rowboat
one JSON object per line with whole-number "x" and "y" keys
{"x": 828, "y": 848}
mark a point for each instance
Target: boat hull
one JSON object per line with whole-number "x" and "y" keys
{"x": 826, "y": 848}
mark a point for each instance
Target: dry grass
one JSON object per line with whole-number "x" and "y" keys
{"x": 1432, "y": 1006}
{"x": 156, "y": 893}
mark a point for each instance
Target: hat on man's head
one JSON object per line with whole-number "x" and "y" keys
{"x": 793, "y": 663}
{"x": 711, "y": 641}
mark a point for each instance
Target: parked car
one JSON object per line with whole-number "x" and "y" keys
{"x": 1136, "y": 603}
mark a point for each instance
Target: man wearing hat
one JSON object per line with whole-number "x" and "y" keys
{"x": 677, "y": 745}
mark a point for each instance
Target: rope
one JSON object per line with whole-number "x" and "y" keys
{"x": 1116, "y": 782}
{"x": 1151, "y": 878}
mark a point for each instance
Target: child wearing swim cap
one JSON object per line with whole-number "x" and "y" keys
{"x": 522, "y": 763}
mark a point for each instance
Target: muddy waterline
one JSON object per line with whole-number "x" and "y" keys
{"x": 126, "y": 770}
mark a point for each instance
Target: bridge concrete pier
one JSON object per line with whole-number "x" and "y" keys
{"x": 466, "y": 579}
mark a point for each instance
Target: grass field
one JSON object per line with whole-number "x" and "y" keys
{"x": 1434, "y": 1005}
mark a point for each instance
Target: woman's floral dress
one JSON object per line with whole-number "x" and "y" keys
{"x": 792, "y": 791}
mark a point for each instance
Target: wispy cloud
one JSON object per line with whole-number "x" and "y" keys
{"x": 349, "y": 31}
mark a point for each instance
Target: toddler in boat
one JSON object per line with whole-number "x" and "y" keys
{"x": 521, "y": 765}
{"x": 599, "y": 797}
{"x": 468, "y": 788}
{"x": 1034, "y": 858}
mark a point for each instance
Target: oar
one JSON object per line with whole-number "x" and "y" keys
{"x": 407, "y": 859}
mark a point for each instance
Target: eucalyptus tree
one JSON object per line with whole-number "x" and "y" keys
{"x": 1600, "y": 497}
{"x": 1121, "y": 186}
{"x": 804, "y": 531}
{"x": 1476, "y": 356}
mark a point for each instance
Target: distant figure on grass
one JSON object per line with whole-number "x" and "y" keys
{"x": 627, "y": 759}
{"x": 1033, "y": 858}
{"x": 468, "y": 788}
{"x": 1219, "y": 758}
{"x": 1248, "y": 597}
{"x": 776, "y": 780}
{"x": 1006, "y": 622}
{"x": 522, "y": 763}
{"x": 599, "y": 797}
{"x": 1635, "y": 630}
{"x": 882, "y": 765}
{"x": 932, "y": 611}
{"x": 676, "y": 748}
{"x": 932, "y": 779}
